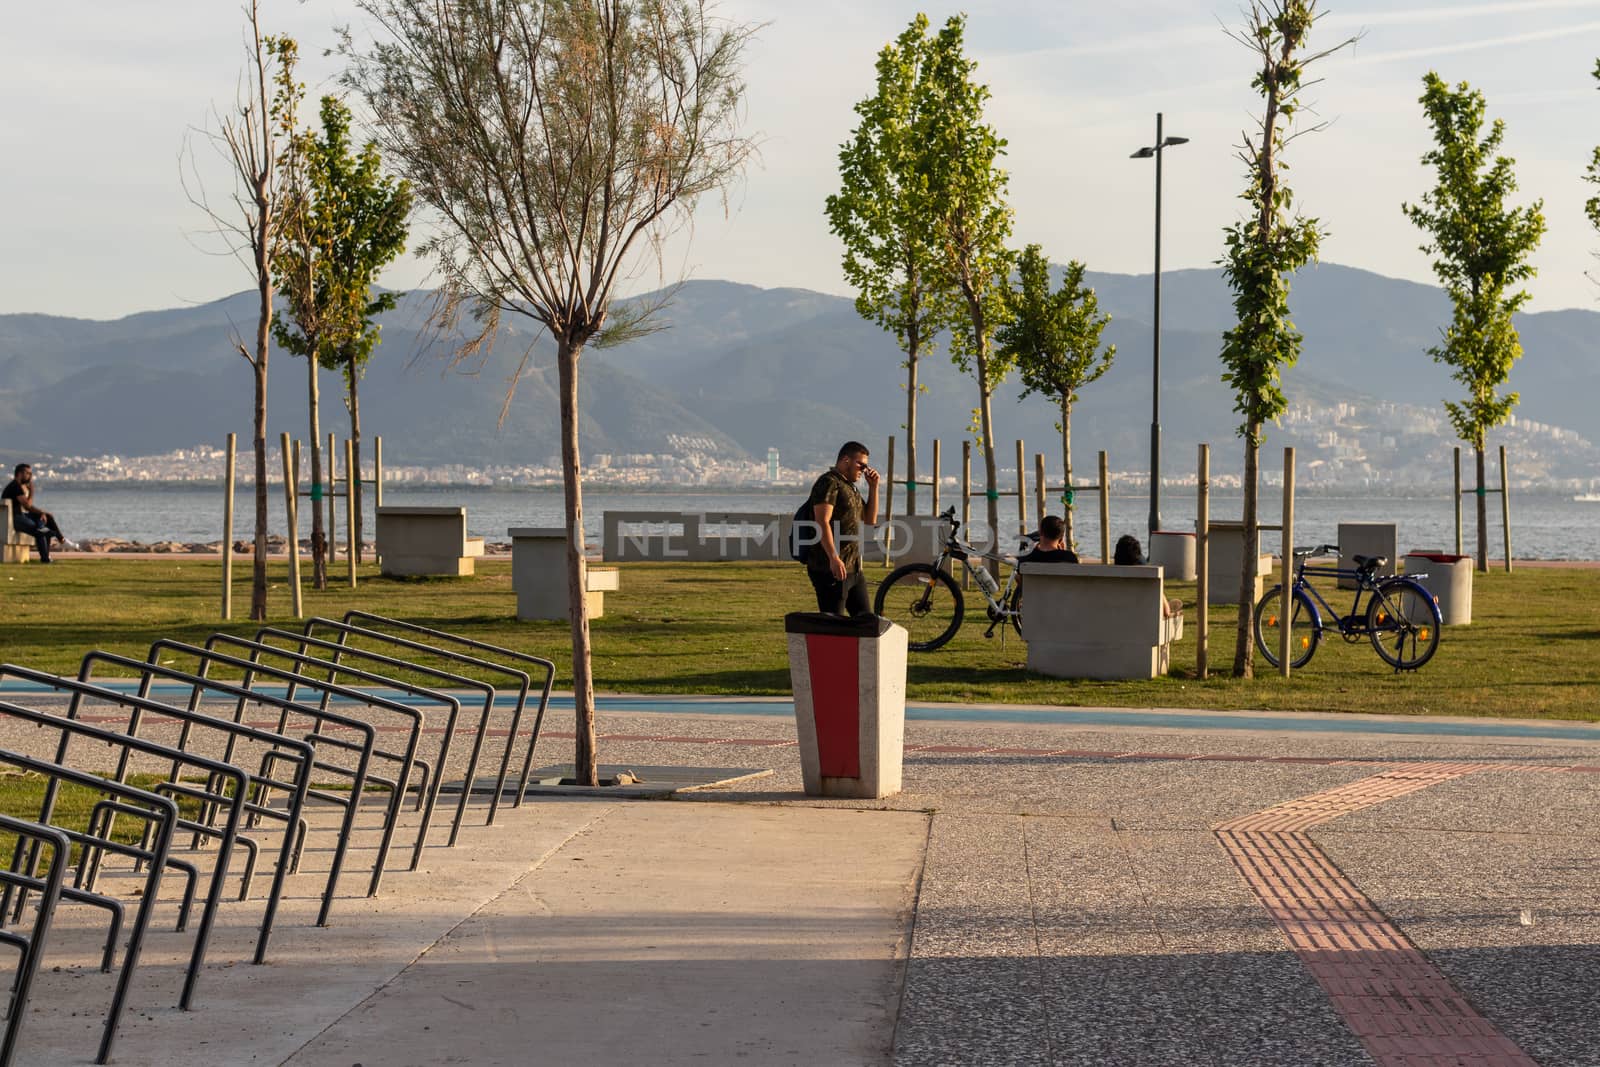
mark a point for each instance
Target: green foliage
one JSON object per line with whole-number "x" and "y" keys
{"x": 969, "y": 219}
{"x": 1053, "y": 338}
{"x": 1273, "y": 241}
{"x": 345, "y": 221}
{"x": 880, "y": 212}
{"x": 1480, "y": 248}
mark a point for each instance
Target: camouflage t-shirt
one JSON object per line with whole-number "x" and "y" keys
{"x": 833, "y": 489}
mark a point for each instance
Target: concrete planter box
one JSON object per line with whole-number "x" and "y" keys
{"x": 1449, "y": 579}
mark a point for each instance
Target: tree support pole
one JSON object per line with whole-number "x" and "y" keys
{"x": 1285, "y": 629}
{"x": 290, "y": 490}
{"x": 1505, "y": 504}
{"x": 351, "y": 488}
{"x": 227, "y": 526}
{"x": 1202, "y": 559}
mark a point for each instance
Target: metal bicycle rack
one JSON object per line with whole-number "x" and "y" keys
{"x": 165, "y": 811}
{"x": 47, "y": 891}
{"x": 331, "y": 690}
{"x": 544, "y": 665}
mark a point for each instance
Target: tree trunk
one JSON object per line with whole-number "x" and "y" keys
{"x": 986, "y": 428}
{"x": 1244, "y": 655}
{"x": 258, "y": 571}
{"x": 1066, "y": 467}
{"x": 912, "y": 344}
{"x": 357, "y": 522}
{"x": 1483, "y": 514}
{"x": 258, "y": 562}
{"x": 584, "y": 766}
{"x": 319, "y": 541}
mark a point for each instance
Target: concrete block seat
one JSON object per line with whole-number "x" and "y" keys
{"x": 15, "y": 546}
{"x": 1225, "y": 557}
{"x": 539, "y": 575}
{"x": 426, "y": 541}
{"x": 1097, "y": 621}
{"x": 1367, "y": 539}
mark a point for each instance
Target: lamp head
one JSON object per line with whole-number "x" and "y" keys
{"x": 1143, "y": 153}
{"x": 1174, "y": 140}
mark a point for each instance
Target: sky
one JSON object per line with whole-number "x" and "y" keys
{"x": 101, "y": 94}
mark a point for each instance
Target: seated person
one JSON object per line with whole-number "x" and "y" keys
{"x": 1050, "y": 544}
{"x": 1129, "y": 553}
{"x": 27, "y": 519}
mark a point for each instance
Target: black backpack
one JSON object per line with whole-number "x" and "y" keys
{"x": 800, "y": 551}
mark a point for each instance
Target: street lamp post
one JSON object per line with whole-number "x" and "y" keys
{"x": 1155, "y": 374}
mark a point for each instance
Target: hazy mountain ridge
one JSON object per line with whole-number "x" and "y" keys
{"x": 746, "y": 369}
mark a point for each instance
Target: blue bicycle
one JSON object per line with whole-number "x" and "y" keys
{"x": 1401, "y": 618}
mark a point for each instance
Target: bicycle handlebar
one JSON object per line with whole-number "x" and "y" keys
{"x": 1320, "y": 550}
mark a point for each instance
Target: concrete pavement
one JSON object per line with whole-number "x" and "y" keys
{"x": 1048, "y": 893}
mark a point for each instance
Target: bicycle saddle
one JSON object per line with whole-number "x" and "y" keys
{"x": 1369, "y": 563}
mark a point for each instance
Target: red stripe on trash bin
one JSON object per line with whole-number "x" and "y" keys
{"x": 835, "y": 696}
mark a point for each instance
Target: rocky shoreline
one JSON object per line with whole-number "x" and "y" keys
{"x": 276, "y": 546}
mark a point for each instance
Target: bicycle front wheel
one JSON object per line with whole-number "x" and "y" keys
{"x": 1403, "y": 623}
{"x": 923, "y": 599}
{"x": 1304, "y": 633}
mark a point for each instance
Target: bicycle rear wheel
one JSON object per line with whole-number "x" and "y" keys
{"x": 1304, "y": 631}
{"x": 1403, "y": 623}
{"x": 923, "y": 599}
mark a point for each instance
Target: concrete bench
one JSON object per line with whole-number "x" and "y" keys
{"x": 15, "y": 546}
{"x": 1367, "y": 539}
{"x": 425, "y": 541}
{"x": 539, "y": 575}
{"x": 1225, "y": 560}
{"x": 1092, "y": 620}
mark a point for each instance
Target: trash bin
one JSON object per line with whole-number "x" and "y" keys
{"x": 849, "y": 679}
{"x": 1449, "y": 578}
{"x": 1174, "y": 550}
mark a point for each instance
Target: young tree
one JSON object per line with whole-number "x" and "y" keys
{"x": 1054, "y": 340}
{"x": 969, "y": 223}
{"x": 1481, "y": 248}
{"x": 348, "y": 222}
{"x": 554, "y": 139}
{"x": 317, "y": 309}
{"x": 1263, "y": 249}
{"x": 880, "y": 214}
{"x": 247, "y": 139}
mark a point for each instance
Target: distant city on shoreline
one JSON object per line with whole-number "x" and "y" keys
{"x": 203, "y": 465}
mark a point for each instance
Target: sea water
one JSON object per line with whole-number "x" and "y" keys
{"x": 1544, "y": 525}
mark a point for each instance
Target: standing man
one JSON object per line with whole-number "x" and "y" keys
{"x": 834, "y": 563}
{"x": 25, "y": 518}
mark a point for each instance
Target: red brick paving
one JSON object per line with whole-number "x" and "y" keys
{"x": 1403, "y": 1009}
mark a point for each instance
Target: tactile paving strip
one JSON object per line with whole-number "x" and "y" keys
{"x": 1403, "y": 1009}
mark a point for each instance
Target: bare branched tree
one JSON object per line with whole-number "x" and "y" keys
{"x": 246, "y": 136}
{"x": 556, "y": 140}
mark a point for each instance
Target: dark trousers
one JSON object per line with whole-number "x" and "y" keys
{"x": 43, "y": 533}
{"x": 848, "y": 597}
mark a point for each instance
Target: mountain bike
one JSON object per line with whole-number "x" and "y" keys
{"x": 1401, "y": 618}
{"x": 924, "y": 599}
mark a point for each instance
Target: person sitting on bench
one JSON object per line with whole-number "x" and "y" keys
{"x": 27, "y": 519}
{"x": 1129, "y": 553}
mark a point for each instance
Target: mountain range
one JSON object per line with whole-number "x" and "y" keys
{"x": 743, "y": 369}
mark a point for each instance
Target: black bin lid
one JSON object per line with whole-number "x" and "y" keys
{"x": 817, "y": 622}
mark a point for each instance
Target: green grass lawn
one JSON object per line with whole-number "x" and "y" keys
{"x": 1533, "y": 649}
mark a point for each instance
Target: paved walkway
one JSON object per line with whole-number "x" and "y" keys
{"x": 1138, "y": 890}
